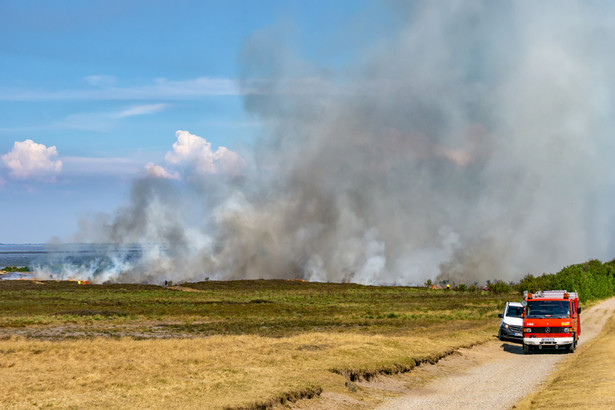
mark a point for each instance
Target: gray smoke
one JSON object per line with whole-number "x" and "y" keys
{"x": 473, "y": 143}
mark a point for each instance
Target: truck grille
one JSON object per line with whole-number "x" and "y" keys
{"x": 548, "y": 329}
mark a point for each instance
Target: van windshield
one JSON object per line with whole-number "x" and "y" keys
{"x": 548, "y": 308}
{"x": 514, "y": 311}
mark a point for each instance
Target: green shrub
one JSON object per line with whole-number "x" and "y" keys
{"x": 592, "y": 280}
{"x": 15, "y": 269}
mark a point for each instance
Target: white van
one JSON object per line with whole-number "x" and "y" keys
{"x": 511, "y": 325}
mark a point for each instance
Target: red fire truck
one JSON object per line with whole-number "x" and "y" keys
{"x": 551, "y": 319}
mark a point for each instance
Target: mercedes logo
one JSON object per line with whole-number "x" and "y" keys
{"x": 548, "y": 330}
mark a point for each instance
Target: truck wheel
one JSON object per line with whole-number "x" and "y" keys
{"x": 526, "y": 348}
{"x": 572, "y": 345}
{"x": 500, "y": 334}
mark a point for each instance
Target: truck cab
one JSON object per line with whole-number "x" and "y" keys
{"x": 551, "y": 319}
{"x": 511, "y": 325}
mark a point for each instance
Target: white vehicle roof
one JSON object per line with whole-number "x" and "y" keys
{"x": 514, "y": 304}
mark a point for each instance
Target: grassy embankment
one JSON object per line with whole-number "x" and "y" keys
{"x": 267, "y": 340}
{"x": 584, "y": 381}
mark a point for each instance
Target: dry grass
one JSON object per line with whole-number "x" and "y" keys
{"x": 229, "y": 344}
{"x": 212, "y": 372}
{"x": 585, "y": 381}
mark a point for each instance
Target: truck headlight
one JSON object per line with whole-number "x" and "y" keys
{"x": 528, "y": 330}
{"x": 567, "y": 330}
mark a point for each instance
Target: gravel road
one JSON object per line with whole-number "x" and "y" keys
{"x": 495, "y": 375}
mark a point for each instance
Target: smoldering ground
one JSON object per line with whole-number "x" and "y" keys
{"x": 472, "y": 142}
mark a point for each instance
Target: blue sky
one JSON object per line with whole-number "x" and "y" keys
{"x": 108, "y": 84}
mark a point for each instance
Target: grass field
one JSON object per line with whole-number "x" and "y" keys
{"x": 584, "y": 381}
{"x": 268, "y": 308}
{"x": 226, "y": 344}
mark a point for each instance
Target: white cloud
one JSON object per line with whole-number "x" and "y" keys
{"x": 228, "y": 161}
{"x": 193, "y": 151}
{"x": 28, "y": 159}
{"x": 97, "y": 121}
{"x": 156, "y": 171}
{"x": 190, "y": 153}
{"x": 140, "y": 110}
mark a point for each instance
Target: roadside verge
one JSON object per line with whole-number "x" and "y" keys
{"x": 585, "y": 380}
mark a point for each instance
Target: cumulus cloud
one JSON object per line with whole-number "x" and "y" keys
{"x": 156, "y": 171}
{"x": 195, "y": 153}
{"x": 28, "y": 159}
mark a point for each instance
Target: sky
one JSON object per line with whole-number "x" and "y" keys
{"x": 92, "y": 93}
{"x": 348, "y": 140}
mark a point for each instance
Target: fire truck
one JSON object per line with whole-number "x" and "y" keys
{"x": 551, "y": 319}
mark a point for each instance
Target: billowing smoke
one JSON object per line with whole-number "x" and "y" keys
{"x": 475, "y": 142}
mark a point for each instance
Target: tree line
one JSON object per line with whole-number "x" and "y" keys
{"x": 592, "y": 280}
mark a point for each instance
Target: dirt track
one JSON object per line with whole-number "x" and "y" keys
{"x": 488, "y": 376}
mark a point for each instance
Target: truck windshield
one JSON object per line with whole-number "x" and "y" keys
{"x": 548, "y": 308}
{"x": 514, "y": 311}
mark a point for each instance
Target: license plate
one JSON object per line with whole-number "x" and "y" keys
{"x": 548, "y": 340}
{"x": 518, "y": 334}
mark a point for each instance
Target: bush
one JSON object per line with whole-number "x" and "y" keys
{"x": 15, "y": 269}
{"x": 461, "y": 288}
{"x": 592, "y": 280}
{"x": 499, "y": 287}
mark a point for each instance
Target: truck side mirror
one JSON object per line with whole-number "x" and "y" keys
{"x": 579, "y": 310}
{"x": 501, "y": 316}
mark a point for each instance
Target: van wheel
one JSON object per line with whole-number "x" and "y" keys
{"x": 526, "y": 348}
{"x": 500, "y": 334}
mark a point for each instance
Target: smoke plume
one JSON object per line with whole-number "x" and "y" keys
{"x": 474, "y": 142}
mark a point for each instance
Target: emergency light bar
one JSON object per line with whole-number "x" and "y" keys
{"x": 550, "y": 294}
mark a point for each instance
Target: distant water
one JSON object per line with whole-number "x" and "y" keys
{"x": 74, "y": 254}
{"x": 20, "y": 255}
